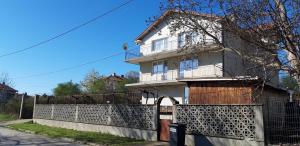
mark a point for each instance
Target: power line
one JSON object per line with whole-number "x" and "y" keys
{"x": 68, "y": 31}
{"x": 73, "y": 67}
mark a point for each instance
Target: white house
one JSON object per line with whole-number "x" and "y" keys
{"x": 168, "y": 58}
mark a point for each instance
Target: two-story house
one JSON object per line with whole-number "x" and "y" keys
{"x": 178, "y": 63}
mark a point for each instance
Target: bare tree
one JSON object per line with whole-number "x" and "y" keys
{"x": 4, "y": 78}
{"x": 265, "y": 27}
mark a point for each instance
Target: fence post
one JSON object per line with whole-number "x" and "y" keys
{"x": 76, "y": 113}
{"x": 109, "y": 114}
{"x": 154, "y": 119}
{"x": 34, "y": 104}
{"x": 259, "y": 123}
{"x": 52, "y": 111}
{"x": 21, "y": 106}
{"x": 174, "y": 113}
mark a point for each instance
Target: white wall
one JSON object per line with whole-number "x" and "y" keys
{"x": 148, "y": 135}
{"x": 163, "y": 31}
{"x": 209, "y": 65}
{"x": 236, "y": 64}
{"x": 175, "y": 91}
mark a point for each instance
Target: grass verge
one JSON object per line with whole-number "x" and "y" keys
{"x": 6, "y": 117}
{"x": 93, "y": 137}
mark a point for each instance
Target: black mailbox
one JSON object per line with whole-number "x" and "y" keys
{"x": 177, "y": 134}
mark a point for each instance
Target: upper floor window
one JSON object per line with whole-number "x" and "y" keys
{"x": 159, "y": 67}
{"x": 189, "y": 38}
{"x": 160, "y": 44}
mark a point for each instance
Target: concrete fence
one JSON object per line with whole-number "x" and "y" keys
{"x": 206, "y": 124}
{"x": 222, "y": 124}
{"x": 136, "y": 121}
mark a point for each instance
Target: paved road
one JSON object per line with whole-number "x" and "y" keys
{"x": 10, "y": 137}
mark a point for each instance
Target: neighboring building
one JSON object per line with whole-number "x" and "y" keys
{"x": 171, "y": 62}
{"x": 6, "y": 92}
{"x": 111, "y": 82}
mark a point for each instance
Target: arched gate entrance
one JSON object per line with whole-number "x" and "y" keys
{"x": 165, "y": 116}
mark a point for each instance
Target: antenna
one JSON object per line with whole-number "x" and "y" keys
{"x": 125, "y": 46}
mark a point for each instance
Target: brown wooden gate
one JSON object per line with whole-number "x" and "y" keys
{"x": 164, "y": 118}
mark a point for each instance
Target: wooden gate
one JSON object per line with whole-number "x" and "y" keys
{"x": 164, "y": 118}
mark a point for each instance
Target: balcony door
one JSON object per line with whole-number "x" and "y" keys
{"x": 159, "y": 70}
{"x": 187, "y": 68}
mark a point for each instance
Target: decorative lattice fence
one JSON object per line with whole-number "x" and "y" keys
{"x": 233, "y": 121}
{"x": 43, "y": 112}
{"x": 131, "y": 116}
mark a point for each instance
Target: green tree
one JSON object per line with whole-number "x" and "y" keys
{"x": 130, "y": 77}
{"x": 97, "y": 87}
{"x": 67, "y": 88}
{"x": 93, "y": 83}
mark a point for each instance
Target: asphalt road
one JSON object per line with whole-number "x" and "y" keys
{"x": 10, "y": 137}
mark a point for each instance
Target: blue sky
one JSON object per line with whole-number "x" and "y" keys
{"x": 24, "y": 23}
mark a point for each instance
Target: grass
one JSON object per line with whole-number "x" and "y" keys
{"x": 92, "y": 137}
{"x": 6, "y": 117}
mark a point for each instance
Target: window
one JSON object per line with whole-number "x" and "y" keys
{"x": 188, "y": 38}
{"x": 187, "y": 65}
{"x": 181, "y": 40}
{"x": 159, "y": 67}
{"x": 159, "y": 45}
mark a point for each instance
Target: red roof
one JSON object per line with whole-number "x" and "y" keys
{"x": 114, "y": 77}
{"x": 7, "y": 88}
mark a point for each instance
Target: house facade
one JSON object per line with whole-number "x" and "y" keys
{"x": 170, "y": 61}
{"x": 6, "y": 92}
{"x": 111, "y": 82}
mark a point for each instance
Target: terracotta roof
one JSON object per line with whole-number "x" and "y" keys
{"x": 168, "y": 13}
{"x": 114, "y": 77}
{"x": 7, "y": 88}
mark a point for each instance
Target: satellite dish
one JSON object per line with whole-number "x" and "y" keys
{"x": 125, "y": 46}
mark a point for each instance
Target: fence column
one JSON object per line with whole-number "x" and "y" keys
{"x": 259, "y": 123}
{"x": 21, "y": 106}
{"x": 109, "y": 114}
{"x": 174, "y": 113}
{"x": 34, "y": 104}
{"x": 154, "y": 118}
{"x": 76, "y": 113}
{"x": 52, "y": 111}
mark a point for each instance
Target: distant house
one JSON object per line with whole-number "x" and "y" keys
{"x": 6, "y": 92}
{"x": 112, "y": 81}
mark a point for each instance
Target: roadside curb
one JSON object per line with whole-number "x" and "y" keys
{"x": 6, "y": 123}
{"x": 62, "y": 138}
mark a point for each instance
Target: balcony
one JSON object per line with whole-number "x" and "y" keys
{"x": 174, "y": 75}
{"x": 145, "y": 52}
{"x": 132, "y": 54}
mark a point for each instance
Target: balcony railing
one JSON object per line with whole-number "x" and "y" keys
{"x": 171, "y": 45}
{"x": 131, "y": 54}
{"x": 176, "y": 75}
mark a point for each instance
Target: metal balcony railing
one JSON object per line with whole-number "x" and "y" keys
{"x": 171, "y": 45}
{"x": 131, "y": 54}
